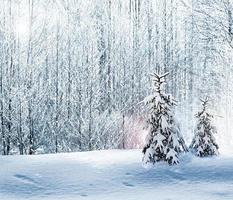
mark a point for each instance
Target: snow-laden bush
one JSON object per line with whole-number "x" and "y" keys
{"x": 164, "y": 141}
{"x": 203, "y": 143}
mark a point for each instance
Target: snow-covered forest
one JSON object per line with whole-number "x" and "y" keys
{"x": 74, "y": 73}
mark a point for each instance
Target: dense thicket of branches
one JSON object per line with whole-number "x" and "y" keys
{"x": 72, "y": 72}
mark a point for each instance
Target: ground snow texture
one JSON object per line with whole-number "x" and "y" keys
{"x": 113, "y": 175}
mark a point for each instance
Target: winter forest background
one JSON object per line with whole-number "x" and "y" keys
{"x": 74, "y": 73}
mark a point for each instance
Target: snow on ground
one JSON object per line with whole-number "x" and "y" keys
{"x": 113, "y": 175}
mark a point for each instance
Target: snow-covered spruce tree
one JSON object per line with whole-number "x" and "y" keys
{"x": 164, "y": 141}
{"x": 203, "y": 143}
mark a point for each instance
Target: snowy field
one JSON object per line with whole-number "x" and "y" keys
{"x": 113, "y": 175}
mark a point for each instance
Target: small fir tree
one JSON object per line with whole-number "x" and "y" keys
{"x": 203, "y": 143}
{"x": 164, "y": 141}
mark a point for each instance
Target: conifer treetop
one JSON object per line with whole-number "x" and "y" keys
{"x": 205, "y": 101}
{"x": 159, "y": 80}
{"x": 204, "y": 104}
